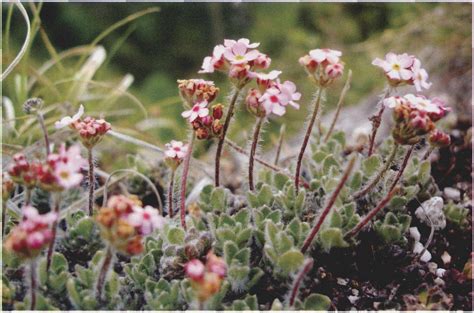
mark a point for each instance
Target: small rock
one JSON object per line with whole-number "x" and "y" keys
{"x": 440, "y": 272}
{"x": 353, "y": 299}
{"x": 355, "y": 292}
{"x": 415, "y": 234}
{"x": 342, "y": 281}
{"x": 432, "y": 266}
{"x": 426, "y": 256}
{"x": 418, "y": 248}
{"x": 452, "y": 193}
{"x": 439, "y": 281}
{"x": 446, "y": 257}
{"x": 432, "y": 209}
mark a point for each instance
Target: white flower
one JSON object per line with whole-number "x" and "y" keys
{"x": 420, "y": 76}
{"x": 176, "y": 149}
{"x": 67, "y": 120}
{"x": 423, "y": 104}
{"x": 321, "y": 55}
{"x": 146, "y": 220}
{"x": 198, "y": 110}
{"x": 396, "y": 66}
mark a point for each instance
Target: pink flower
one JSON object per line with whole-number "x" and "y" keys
{"x": 334, "y": 70}
{"x": 423, "y": 104}
{"x": 146, "y": 220}
{"x": 262, "y": 61}
{"x": 321, "y": 55}
{"x": 392, "y": 102}
{"x": 195, "y": 270}
{"x": 216, "y": 265}
{"x": 274, "y": 101}
{"x": 214, "y": 62}
{"x": 240, "y": 72}
{"x": 265, "y": 80}
{"x": 176, "y": 149}
{"x": 238, "y": 53}
{"x": 67, "y": 120}
{"x": 229, "y": 43}
{"x": 443, "y": 109}
{"x": 420, "y": 76}
{"x": 396, "y": 66}
{"x": 67, "y": 175}
{"x": 289, "y": 89}
{"x": 198, "y": 110}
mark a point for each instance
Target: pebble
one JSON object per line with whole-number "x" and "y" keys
{"x": 415, "y": 234}
{"x": 353, "y": 299}
{"x": 440, "y": 272}
{"x": 432, "y": 208}
{"x": 446, "y": 257}
{"x": 433, "y": 267}
{"x": 439, "y": 281}
{"x": 452, "y": 193}
{"x": 342, "y": 281}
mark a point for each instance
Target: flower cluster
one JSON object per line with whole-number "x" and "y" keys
{"x": 403, "y": 69}
{"x": 22, "y": 172}
{"x": 415, "y": 116}
{"x": 197, "y": 90}
{"x": 124, "y": 222}
{"x": 32, "y": 234}
{"x": 61, "y": 170}
{"x": 175, "y": 153}
{"x": 206, "y": 279}
{"x": 205, "y": 122}
{"x": 271, "y": 96}
{"x": 324, "y": 65}
{"x": 238, "y": 58}
{"x": 90, "y": 130}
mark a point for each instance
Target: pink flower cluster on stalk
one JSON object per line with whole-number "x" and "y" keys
{"x": 90, "y": 130}
{"x": 32, "y": 234}
{"x": 22, "y": 172}
{"x": 323, "y": 65}
{"x": 124, "y": 222}
{"x": 61, "y": 170}
{"x": 204, "y": 119}
{"x": 403, "y": 69}
{"x": 239, "y": 59}
{"x": 206, "y": 278}
{"x": 175, "y": 153}
{"x": 271, "y": 96}
{"x": 415, "y": 116}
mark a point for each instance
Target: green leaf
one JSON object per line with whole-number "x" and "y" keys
{"x": 279, "y": 180}
{"x": 317, "y": 302}
{"x": 243, "y": 216}
{"x": 424, "y": 173}
{"x": 225, "y": 234}
{"x": 371, "y": 165}
{"x": 176, "y": 236}
{"x": 356, "y": 180}
{"x": 265, "y": 195}
{"x": 290, "y": 261}
{"x": 230, "y": 250}
{"x": 397, "y": 202}
{"x": 335, "y": 220}
{"x": 218, "y": 199}
{"x": 329, "y": 162}
{"x": 319, "y": 156}
{"x": 332, "y": 238}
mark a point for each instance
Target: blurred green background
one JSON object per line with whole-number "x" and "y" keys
{"x": 160, "y": 47}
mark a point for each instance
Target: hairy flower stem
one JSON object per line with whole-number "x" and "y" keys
{"x": 379, "y": 175}
{"x": 40, "y": 117}
{"x": 376, "y": 120}
{"x": 280, "y": 144}
{"x": 220, "y": 144}
{"x": 103, "y": 273}
{"x": 339, "y": 106}
{"x": 274, "y": 168}
{"x": 91, "y": 181}
{"x": 329, "y": 205}
{"x": 170, "y": 194}
{"x": 317, "y": 103}
{"x": 184, "y": 178}
{"x": 402, "y": 168}
{"x": 54, "y": 229}
{"x": 428, "y": 153}
{"x": 307, "y": 266}
{"x": 253, "y": 149}
{"x": 33, "y": 284}
{"x": 372, "y": 213}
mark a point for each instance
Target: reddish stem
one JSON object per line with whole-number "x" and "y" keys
{"x": 103, "y": 273}
{"x": 56, "y": 199}
{"x": 33, "y": 284}
{"x": 307, "y": 266}
{"x": 306, "y": 138}
{"x": 329, "y": 205}
{"x": 376, "y": 120}
{"x": 184, "y": 178}
{"x": 253, "y": 149}
{"x": 170, "y": 194}
{"x": 220, "y": 144}
{"x": 402, "y": 169}
{"x": 91, "y": 181}
{"x": 372, "y": 213}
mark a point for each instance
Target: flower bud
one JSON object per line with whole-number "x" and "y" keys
{"x": 202, "y": 133}
{"x": 217, "y": 111}
{"x": 438, "y": 138}
{"x": 217, "y": 127}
